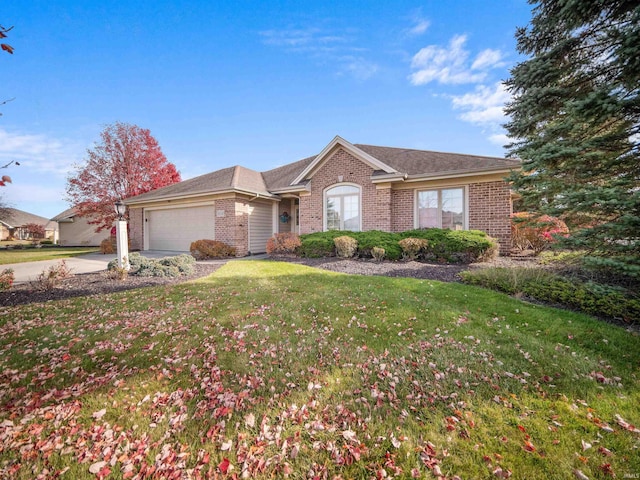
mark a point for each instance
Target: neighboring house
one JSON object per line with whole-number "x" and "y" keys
{"x": 75, "y": 231}
{"x": 13, "y": 222}
{"x": 346, "y": 187}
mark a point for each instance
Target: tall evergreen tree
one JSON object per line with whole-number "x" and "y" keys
{"x": 575, "y": 121}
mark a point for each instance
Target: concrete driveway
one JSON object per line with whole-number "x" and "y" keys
{"x": 89, "y": 263}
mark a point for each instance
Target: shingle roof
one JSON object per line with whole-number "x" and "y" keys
{"x": 69, "y": 213}
{"x": 226, "y": 179}
{"x": 18, "y": 218}
{"x": 425, "y": 162}
{"x": 282, "y": 177}
{"x": 412, "y": 162}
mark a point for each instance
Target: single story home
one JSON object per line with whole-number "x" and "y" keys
{"x": 14, "y": 221}
{"x": 75, "y": 231}
{"x": 344, "y": 187}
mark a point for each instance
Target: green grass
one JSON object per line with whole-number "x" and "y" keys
{"x": 271, "y": 368}
{"x": 44, "y": 253}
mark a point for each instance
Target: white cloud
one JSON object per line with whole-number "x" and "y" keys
{"x": 359, "y": 68}
{"x": 487, "y": 59}
{"x": 307, "y": 39}
{"x": 325, "y": 47}
{"x": 499, "y": 139}
{"x": 483, "y": 106}
{"x": 420, "y": 27}
{"x": 39, "y": 153}
{"x": 449, "y": 65}
{"x": 445, "y": 65}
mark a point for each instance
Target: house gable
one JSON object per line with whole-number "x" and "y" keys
{"x": 327, "y": 153}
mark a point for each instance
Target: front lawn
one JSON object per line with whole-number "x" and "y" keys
{"x": 270, "y": 369}
{"x": 30, "y": 254}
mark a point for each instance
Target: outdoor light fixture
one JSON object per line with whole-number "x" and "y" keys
{"x": 121, "y": 208}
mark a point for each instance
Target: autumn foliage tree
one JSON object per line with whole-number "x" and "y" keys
{"x": 34, "y": 230}
{"x": 126, "y": 162}
{"x": 3, "y": 34}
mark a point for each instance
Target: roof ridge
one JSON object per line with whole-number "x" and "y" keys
{"x": 235, "y": 176}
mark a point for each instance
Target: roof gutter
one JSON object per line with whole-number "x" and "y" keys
{"x": 133, "y": 201}
{"x": 389, "y": 177}
{"x": 457, "y": 174}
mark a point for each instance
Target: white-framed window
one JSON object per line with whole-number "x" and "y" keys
{"x": 442, "y": 208}
{"x": 342, "y": 208}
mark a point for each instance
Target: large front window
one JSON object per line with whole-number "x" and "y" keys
{"x": 342, "y": 208}
{"x": 441, "y": 208}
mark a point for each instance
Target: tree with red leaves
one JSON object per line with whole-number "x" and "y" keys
{"x": 127, "y": 162}
{"x": 34, "y": 230}
{"x": 3, "y": 34}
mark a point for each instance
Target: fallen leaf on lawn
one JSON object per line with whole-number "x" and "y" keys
{"x": 500, "y": 473}
{"x": 226, "y": 445}
{"x": 585, "y": 446}
{"x": 626, "y": 425}
{"x": 349, "y": 435}
{"x": 250, "y": 420}
{"x": 99, "y": 414}
{"x": 529, "y": 447}
{"x": 96, "y": 467}
{"x": 224, "y": 465}
{"x": 579, "y": 475}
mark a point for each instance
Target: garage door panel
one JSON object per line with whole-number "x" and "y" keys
{"x": 175, "y": 228}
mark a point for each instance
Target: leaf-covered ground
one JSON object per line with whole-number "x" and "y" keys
{"x": 269, "y": 369}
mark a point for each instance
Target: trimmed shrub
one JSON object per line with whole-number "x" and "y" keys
{"x": 283, "y": 243}
{"x": 589, "y": 297}
{"x": 108, "y": 246}
{"x": 411, "y": 247}
{"x": 162, "y": 267}
{"x": 346, "y": 246}
{"x": 6, "y": 279}
{"x": 378, "y": 253}
{"x": 204, "y": 249}
{"x": 454, "y": 246}
{"x": 535, "y": 232}
{"x": 320, "y": 244}
{"x": 376, "y": 238}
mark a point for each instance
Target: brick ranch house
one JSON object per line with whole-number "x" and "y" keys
{"x": 345, "y": 186}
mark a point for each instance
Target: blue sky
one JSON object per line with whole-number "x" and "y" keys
{"x": 250, "y": 83}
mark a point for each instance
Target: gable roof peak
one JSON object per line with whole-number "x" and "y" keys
{"x": 360, "y": 154}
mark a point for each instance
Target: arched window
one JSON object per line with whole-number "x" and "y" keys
{"x": 342, "y": 208}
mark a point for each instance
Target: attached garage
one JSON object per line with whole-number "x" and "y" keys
{"x": 260, "y": 226}
{"x": 175, "y": 228}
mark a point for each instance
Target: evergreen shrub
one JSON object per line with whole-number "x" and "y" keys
{"x": 589, "y": 297}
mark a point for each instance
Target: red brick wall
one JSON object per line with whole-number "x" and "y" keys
{"x": 375, "y": 204}
{"x": 402, "y": 211}
{"x": 489, "y": 210}
{"x": 136, "y": 229}
{"x": 233, "y": 228}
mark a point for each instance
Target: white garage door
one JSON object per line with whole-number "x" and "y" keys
{"x": 260, "y": 226}
{"x": 175, "y": 228}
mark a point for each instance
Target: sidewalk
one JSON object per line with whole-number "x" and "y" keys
{"x": 89, "y": 263}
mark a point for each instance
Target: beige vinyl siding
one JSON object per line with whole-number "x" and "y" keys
{"x": 260, "y": 226}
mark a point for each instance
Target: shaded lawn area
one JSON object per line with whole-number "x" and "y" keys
{"x": 269, "y": 369}
{"x": 44, "y": 253}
